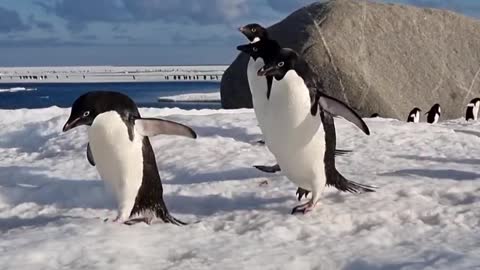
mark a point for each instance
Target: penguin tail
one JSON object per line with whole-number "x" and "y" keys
{"x": 341, "y": 152}
{"x": 343, "y": 184}
{"x": 167, "y": 218}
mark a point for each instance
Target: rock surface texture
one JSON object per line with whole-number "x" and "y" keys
{"x": 378, "y": 58}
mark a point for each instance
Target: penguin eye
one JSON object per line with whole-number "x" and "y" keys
{"x": 281, "y": 64}
{"x": 254, "y": 30}
{"x": 87, "y": 113}
{"x": 255, "y": 49}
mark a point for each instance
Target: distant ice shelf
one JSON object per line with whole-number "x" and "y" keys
{"x": 192, "y": 97}
{"x": 16, "y": 89}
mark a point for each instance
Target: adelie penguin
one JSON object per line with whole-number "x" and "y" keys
{"x": 120, "y": 149}
{"x": 414, "y": 116}
{"x": 304, "y": 152}
{"x": 433, "y": 115}
{"x": 472, "y": 109}
{"x": 258, "y": 85}
{"x": 261, "y": 49}
{"x": 261, "y": 46}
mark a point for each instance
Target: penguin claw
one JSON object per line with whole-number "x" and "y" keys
{"x": 301, "y": 193}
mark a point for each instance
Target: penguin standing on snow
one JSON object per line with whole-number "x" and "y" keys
{"x": 294, "y": 134}
{"x": 260, "y": 48}
{"x": 472, "y": 109}
{"x": 258, "y": 85}
{"x": 120, "y": 149}
{"x": 434, "y": 114}
{"x": 414, "y": 116}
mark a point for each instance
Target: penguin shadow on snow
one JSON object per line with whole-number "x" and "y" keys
{"x": 20, "y": 185}
{"x": 438, "y": 174}
{"x": 469, "y": 161}
{"x": 28, "y": 138}
{"x": 444, "y": 174}
{"x": 234, "y": 132}
{"x": 11, "y": 223}
{"x": 213, "y": 204}
{"x": 428, "y": 261}
{"x": 187, "y": 177}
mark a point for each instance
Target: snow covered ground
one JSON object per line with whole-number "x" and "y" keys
{"x": 425, "y": 215}
{"x": 193, "y": 97}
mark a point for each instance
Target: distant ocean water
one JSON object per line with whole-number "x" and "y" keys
{"x": 145, "y": 94}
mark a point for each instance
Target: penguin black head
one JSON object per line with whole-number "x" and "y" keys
{"x": 279, "y": 64}
{"x": 475, "y": 101}
{"x": 435, "y": 109}
{"x": 89, "y": 105}
{"x": 254, "y": 32}
{"x": 265, "y": 48}
{"x": 415, "y": 110}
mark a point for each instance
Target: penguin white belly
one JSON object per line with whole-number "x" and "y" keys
{"x": 258, "y": 88}
{"x": 435, "y": 119}
{"x": 475, "y": 112}
{"x": 295, "y": 137}
{"x": 119, "y": 161}
{"x": 416, "y": 118}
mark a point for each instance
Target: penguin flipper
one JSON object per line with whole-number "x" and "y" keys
{"x": 90, "y": 155}
{"x": 153, "y": 126}
{"x": 336, "y": 107}
{"x": 268, "y": 169}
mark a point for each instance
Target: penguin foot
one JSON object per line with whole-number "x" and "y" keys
{"x": 261, "y": 142}
{"x": 303, "y": 208}
{"x": 302, "y": 193}
{"x": 134, "y": 221}
{"x": 263, "y": 183}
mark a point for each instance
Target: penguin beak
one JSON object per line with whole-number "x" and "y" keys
{"x": 242, "y": 30}
{"x": 243, "y": 48}
{"x": 266, "y": 71}
{"x": 71, "y": 124}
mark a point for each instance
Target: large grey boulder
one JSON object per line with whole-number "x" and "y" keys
{"x": 378, "y": 58}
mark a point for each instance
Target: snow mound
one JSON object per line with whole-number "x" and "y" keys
{"x": 16, "y": 89}
{"x": 425, "y": 214}
{"x": 192, "y": 97}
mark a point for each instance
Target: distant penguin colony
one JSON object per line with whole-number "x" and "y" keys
{"x": 120, "y": 149}
{"x": 433, "y": 115}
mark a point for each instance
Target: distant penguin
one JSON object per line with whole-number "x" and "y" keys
{"x": 293, "y": 128}
{"x": 434, "y": 114}
{"x": 375, "y": 115}
{"x": 472, "y": 109}
{"x": 414, "y": 115}
{"x": 120, "y": 149}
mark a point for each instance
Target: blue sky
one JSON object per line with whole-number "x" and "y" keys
{"x": 143, "y": 32}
